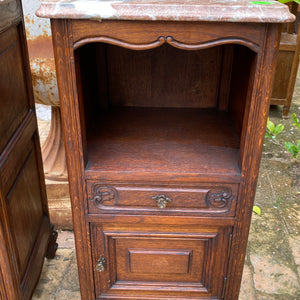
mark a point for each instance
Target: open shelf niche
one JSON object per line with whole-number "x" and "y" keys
{"x": 164, "y": 110}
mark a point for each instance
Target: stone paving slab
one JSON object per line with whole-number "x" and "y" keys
{"x": 59, "y": 278}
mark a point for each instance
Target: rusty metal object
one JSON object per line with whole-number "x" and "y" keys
{"x": 53, "y": 150}
{"x": 41, "y": 55}
{"x": 42, "y": 65}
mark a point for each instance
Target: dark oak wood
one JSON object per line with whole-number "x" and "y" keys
{"x": 52, "y": 245}
{"x": 287, "y": 64}
{"x": 10, "y": 13}
{"x": 164, "y": 125}
{"x": 183, "y": 142}
{"x": 195, "y": 86}
{"x": 208, "y": 199}
{"x": 13, "y": 84}
{"x": 254, "y": 125}
{"x": 201, "y": 34}
{"x": 175, "y": 261}
{"x": 24, "y": 217}
{"x": 66, "y": 74}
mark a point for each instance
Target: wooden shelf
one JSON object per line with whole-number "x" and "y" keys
{"x": 163, "y": 143}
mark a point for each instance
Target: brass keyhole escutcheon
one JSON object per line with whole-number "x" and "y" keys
{"x": 100, "y": 267}
{"x": 161, "y": 201}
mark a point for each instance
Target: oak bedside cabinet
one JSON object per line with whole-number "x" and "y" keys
{"x": 164, "y": 106}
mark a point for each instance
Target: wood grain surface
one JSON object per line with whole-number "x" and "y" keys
{"x": 24, "y": 216}
{"x": 162, "y": 110}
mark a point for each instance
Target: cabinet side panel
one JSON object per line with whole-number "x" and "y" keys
{"x": 241, "y": 85}
{"x": 281, "y": 80}
{"x": 252, "y": 143}
{"x": 70, "y": 109}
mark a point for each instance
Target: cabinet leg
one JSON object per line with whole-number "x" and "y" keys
{"x": 52, "y": 244}
{"x": 285, "y": 113}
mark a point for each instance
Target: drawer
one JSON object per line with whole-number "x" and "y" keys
{"x": 205, "y": 199}
{"x": 157, "y": 261}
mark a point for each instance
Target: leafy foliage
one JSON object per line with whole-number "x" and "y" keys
{"x": 257, "y": 210}
{"x": 273, "y": 130}
{"x": 295, "y": 119}
{"x": 286, "y": 1}
{"x": 293, "y": 148}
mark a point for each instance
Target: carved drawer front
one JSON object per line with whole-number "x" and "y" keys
{"x": 180, "y": 262}
{"x": 207, "y": 200}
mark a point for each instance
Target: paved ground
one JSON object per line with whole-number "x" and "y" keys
{"x": 272, "y": 266}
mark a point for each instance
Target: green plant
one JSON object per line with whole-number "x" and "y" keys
{"x": 286, "y": 1}
{"x": 294, "y": 148}
{"x": 273, "y": 130}
{"x": 257, "y": 210}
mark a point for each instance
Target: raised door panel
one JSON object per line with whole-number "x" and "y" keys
{"x": 14, "y": 95}
{"x": 24, "y": 204}
{"x": 161, "y": 261}
{"x": 24, "y": 212}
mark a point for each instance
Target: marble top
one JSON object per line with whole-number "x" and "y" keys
{"x": 177, "y": 10}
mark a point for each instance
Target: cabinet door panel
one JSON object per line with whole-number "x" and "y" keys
{"x": 14, "y": 98}
{"x": 23, "y": 210}
{"x": 160, "y": 261}
{"x": 24, "y": 204}
{"x": 24, "y": 217}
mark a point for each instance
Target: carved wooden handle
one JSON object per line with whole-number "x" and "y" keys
{"x": 161, "y": 201}
{"x": 100, "y": 267}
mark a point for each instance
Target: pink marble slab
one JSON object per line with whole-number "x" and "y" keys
{"x": 177, "y": 10}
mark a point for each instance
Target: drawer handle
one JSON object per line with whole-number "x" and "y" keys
{"x": 101, "y": 264}
{"x": 161, "y": 201}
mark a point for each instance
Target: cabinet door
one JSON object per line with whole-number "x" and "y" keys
{"x": 24, "y": 219}
{"x": 161, "y": 262}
